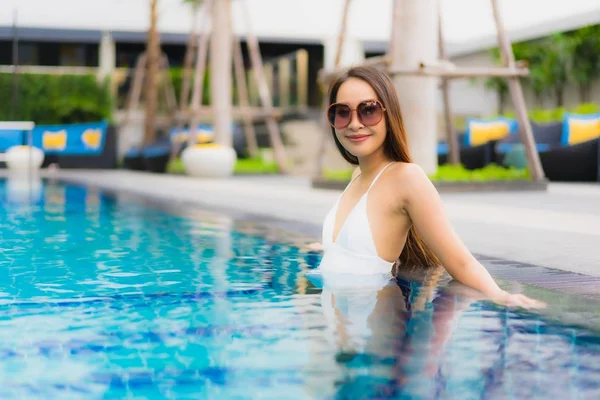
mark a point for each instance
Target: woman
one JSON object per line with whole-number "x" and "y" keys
{"x": 390, "y": 217}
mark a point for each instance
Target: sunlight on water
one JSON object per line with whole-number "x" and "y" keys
{"x": 107, "y": 298}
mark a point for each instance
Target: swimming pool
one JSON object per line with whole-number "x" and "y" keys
{"x": 110, "y": 297}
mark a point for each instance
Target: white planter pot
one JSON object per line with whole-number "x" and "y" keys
{"x": 20, "y": 159}
{"x": 210, "y": 161}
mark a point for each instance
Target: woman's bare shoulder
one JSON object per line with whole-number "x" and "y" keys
{"x": 410, "y": 179}
{"x": 409, "y": 173}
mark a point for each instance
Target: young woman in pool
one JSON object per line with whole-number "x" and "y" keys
{"x": 390, "y": 217}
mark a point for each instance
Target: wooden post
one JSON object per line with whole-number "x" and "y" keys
{"x": 252, "y": 88}
{"x": 325, "y": 125}
{"x": 153, "y": 62}
{"x": 220, "y": 72}
{"x": 302, "y": 78}
{"x": 135, "y": 91}
{"x": 188, "y": 62}
{"x": 268, "y": 73}
{"x": 263, "y": 91}
{"x": 283, "y": 73}
{"x": 167, "y": 87}
{"x": 454, "y": 153}
{"x": 242, "y": 89}
{"x": 342, "y": 33}
{"x": 199, "y": 72}
{"x": 516, "y": 91}
{"x": 415, "y": 21}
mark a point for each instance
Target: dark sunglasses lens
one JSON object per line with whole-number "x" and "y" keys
{"x": 339, "y": 115}
{"x": 370, "y": 112}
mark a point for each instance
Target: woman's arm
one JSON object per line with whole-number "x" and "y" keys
{"x": 425, "y": 208}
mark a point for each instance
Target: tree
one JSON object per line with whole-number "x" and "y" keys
{"x": 556, "y": 64}
{"x": 585, "y": 67}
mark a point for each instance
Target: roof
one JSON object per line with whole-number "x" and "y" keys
{"x": 468, "y": 24}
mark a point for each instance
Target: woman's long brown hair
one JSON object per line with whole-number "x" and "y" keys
{"x": 415, "y": 252}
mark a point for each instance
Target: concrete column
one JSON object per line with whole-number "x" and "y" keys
{"x": 220, "y": 71}
{"x": 107, "y": 56}
{"x": 353, "y": 52}
{"x": 415, "y": 39}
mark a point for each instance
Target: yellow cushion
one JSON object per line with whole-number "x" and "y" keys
{"x": 91, "y": 138}
{"x": 582, "y": 130}
{"x": 483, "y": 132}
{"x": 54, "y": 140}
{"x": 203, "y": 137}
{"x": 207, "y": 145}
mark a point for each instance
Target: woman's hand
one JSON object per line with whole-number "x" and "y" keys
{"x": 506, "y": 299}
{"x": 500, "y": 297}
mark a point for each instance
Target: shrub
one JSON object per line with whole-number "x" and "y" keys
{"x": 55, "y": 99}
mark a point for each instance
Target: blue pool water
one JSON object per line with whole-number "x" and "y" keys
{"x": 106, "y": 297}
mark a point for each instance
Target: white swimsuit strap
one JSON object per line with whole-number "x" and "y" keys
{"x": 378, "y": 175}
{"x": 350, "y": 183}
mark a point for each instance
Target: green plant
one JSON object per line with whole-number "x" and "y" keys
{"x": 176, "y": 75}
{"x": 56, "y": 99}
{"x": 255, "y": 165}
{"x": 242, "y": 166}
{"x": 492, "y": 172}
{"x": 554, "y": 61}
{"x": 549, "y": 115}
{"x": 586, "y": 108}
{"x": 454, "y": 173}
{"x": 585, "y": 67}
{"x": 338, "y": 175}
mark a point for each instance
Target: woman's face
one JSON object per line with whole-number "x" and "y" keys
{"x": 358, "y": 138}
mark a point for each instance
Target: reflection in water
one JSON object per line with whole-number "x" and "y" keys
{"x": 387, "y": 335}
{"x": 23, "y": 190}
{"x": 414, "y": 339}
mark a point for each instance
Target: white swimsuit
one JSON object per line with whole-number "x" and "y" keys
{"x": 354, "y": 251}
{"x": 351, "y": 274}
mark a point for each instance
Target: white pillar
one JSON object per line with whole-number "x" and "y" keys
{"x": 107, "y": 56}
{"x": 353, "y": 52}
{"x": 415, "y": 39}
{"x": 220, "y": 71}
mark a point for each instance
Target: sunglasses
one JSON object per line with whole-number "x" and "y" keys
{"x": 369, "y": 113}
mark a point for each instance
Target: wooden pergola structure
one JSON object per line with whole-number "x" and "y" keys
{"x": 398, "y": 64}
{"x": 227, "y": 51}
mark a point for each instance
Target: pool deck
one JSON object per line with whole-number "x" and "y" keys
{"x": 546, "y": 240}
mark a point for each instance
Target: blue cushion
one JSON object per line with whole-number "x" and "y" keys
{"x": 72, "y": 139}
{"x": 503, "y": 148}
{"x": 156, "y": 150}
{"x": 10, "y": 138}
{"x": 442, "y": 148}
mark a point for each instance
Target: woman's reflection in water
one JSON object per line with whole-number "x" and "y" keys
{"x": 389, "y": 332}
